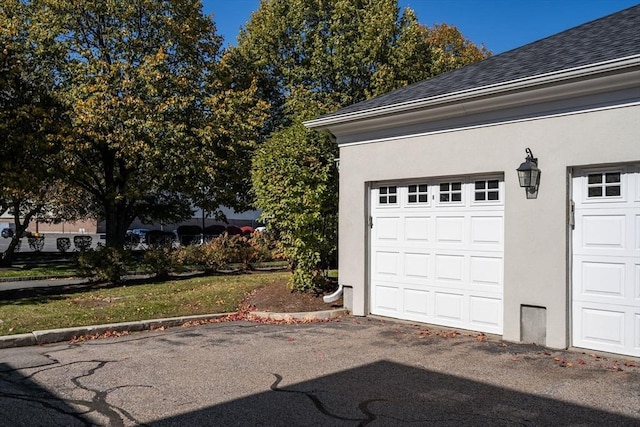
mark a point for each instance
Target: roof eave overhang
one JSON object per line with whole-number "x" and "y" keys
{"x": 578, "y": 81}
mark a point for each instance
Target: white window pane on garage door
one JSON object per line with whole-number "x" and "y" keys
{"x": 606, "y": 260}
{"x": 437, "y": 252}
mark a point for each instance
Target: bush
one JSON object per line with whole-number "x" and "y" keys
{"x": 104, "y": 263}
{"x": 306, "y": 274}
{"x": 82, "y": 243}
{"x": 212, "y": 255}
{"x": 295, "y": 182}
{"x": 228, "y": 249}
{"x": 36, "y": 243}
{"x": 161, "y": 260}
{"x": 251, "y": 249}
{"x": 63, "y": 244}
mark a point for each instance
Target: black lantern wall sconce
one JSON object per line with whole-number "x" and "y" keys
{"x": 529, "y": 175}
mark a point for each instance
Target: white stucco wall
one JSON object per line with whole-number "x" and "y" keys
{"x": 537, "y": 235}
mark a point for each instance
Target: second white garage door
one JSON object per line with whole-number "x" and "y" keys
{"x": 437, "y": 252}
{"x": 606, "y": 259}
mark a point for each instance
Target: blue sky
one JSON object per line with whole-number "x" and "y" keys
{"x": 500, "y": 24}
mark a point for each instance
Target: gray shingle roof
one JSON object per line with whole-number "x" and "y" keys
{"x": 612, "y": 37}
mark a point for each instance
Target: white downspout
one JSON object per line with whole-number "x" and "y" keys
{"x": 334, "y": 296}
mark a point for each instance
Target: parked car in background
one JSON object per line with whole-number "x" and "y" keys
{"x": 247, "y": 230}
{"x": 138, "y": 235}
{"x": 159, "y": 237}
{"x": 6, "y": 233}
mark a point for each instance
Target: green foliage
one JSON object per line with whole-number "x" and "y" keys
{"x": 313, "y": 57}
{"x": 63, "y": 244}
{"x": 246, "y": 250}
{"x": 161, "y": 260}
{"x": 82, "y": 243}
{"x": 153, "y": 108}
{"x": 104, "y": 263}
{"x": 295, "y": 182}
{"x": 451, "y": 50}
{"x": 36, "y": 243}
{"x": 216, "y": 254}
{"x": 33, "y": 125}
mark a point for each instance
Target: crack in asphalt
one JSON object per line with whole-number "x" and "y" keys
{"x": 30, "y": 392}
{"x": 363, "y": 406}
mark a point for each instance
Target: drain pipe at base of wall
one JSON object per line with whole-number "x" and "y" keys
{"x": 334, "y": 296}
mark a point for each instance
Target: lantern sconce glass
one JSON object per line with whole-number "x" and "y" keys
{"x": 529, "y": 175}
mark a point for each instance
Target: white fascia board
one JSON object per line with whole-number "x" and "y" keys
{"x": 453, "y": 103}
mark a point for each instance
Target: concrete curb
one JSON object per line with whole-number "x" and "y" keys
{"x": 50, "y": 336}
{"x": 310, "y": 315}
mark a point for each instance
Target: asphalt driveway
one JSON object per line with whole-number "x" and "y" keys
{"x": 351, "y": 372}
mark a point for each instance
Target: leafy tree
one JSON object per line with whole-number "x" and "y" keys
{"x": 451, "y": 50}
{"x": 150, "y": 103}
{"x": 331, "y": 53}
{"x": 32, "y": 130}
{"x": 313, "y": 57}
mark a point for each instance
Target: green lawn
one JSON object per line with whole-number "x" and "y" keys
{"x": 54, "y": 269}
{"x": 202, "y": 295}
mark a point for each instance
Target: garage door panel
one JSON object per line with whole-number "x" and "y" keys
{"x": 387, "y": 228}
{"x": 387, "y": 263}
{"x": 485, "y": 312}
{"x": 486, "y": 271}
{"x": 487, "y": 231}
{"x": 450, "y": 231}
{"x": 386, "y": 297}
{"x": 636, "y": 245}
{"x": 448, "y": 306}
{"x": 417, "y": 228}
{"x": 449, "y": 268}
{"x": 416, "y": 265}
{"x": 416, "y": 301}
{"x": 636, "y": 334}
{"x": 637, "y": 283}
{"x": 603, "y": 232}
{"x": 602, "y": 326}
{"x": 603, "y": 279}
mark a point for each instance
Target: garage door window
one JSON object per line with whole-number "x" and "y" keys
{"x": 388, "y": 195}
{"x": 486, "y": 190}
{"x": 418, "y": 194}
{"x": 450, "y": 192}
{"x": 606, "y": 184}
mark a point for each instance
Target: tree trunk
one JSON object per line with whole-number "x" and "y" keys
{"x": 7, "y": 257}
{"x": 117, "y": 222}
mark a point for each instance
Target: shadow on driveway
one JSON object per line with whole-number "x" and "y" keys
{"x": 389, "y": 394}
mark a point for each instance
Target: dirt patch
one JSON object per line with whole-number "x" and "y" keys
{"x": 279, "y": 298}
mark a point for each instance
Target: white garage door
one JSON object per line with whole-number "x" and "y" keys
{"x": 437, "y": 252}
{"x": 606, "y": 260}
